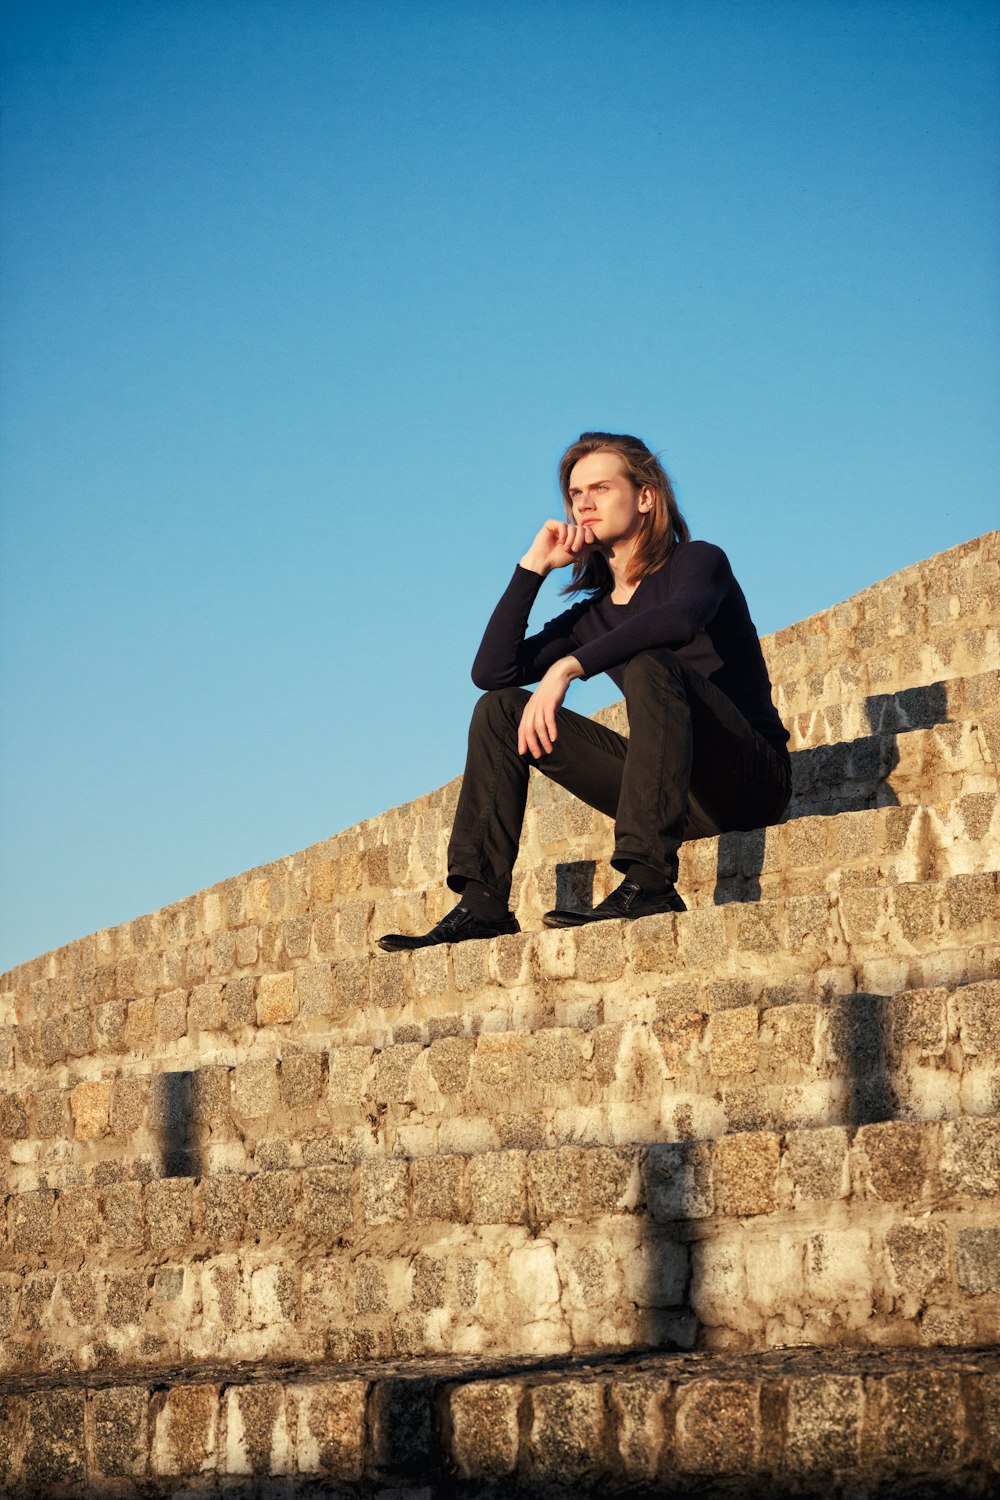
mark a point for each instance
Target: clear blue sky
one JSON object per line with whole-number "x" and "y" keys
{"x": 303, "y": 299}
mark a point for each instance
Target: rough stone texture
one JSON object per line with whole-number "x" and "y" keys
{"x": 233, "y": 1135}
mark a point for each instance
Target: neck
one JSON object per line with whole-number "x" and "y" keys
{"x": 618, "y": 557}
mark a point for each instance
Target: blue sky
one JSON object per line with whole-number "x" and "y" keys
{"x": 303, "y": 300}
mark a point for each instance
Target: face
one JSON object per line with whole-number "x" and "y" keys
{"x": 605, "y": 499}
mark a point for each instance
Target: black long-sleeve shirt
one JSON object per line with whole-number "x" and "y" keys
{"x": 692, "y": 605}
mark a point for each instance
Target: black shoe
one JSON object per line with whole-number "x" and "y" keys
{"x": 628, "y": 900}
{"x": 457, "y": 927}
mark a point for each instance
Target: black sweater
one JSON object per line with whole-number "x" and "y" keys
{"x": 692, "y": 605}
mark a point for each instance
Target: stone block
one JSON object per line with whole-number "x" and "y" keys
{"x": 37, "y": 1309}
{"x": 394, "y": 1080}
{"x": 314, "y": 989}
{"x": 637, "y": 1404}
{"x": 210, "y": 1094}
{"x": 91, "y": 1105}
{"x": 498, "y": 1187}
{"x": 49, "y": 1113}
{"x": 744, "y": 1173}
{"x": 33, "y": 1219}
{"x": 258, "y": 1440}
{"x": 600, "y": 951}
{"x": 450, "y": 1059}
{"x": 303, "y": 1079}
{"x": 718, "y": 1427}
{"x": 816, "y": 1162}
{"x": 612, "y": 1179}
{"x": 438, "y": 1188}
{"x": 239, "y": 1002}
{"x": 970, "y": 901}
{"x": 255, "y": 1089}
{"x": 556, "y": 1184}
{"x": 430, "y": 971}
{"x": 350, "y": 1069}
{"x": 171, "y": 1015}
{"x": 327, "y": 1207}
{"x": 271, "y": 1201}
{"x": 350, "y": 985}
{"x": 79, "y": 1033}
{"x": 129, "y": 1104}
{"x": 330, "y": 1434}
{"x": 484, "y": 1427}
{"x": 970, "y": 1157}
{"x": 126, "y": 1297}
{"x": 247, "y": 946}
{"x": 701, "y": 940}
{"x": 78, "y": 1297}
{"x": 918, "y": 1256}
{"x": 401, "y": 1424}
{"x": 978, "y": 1009}
{"x": 977, "y": 1260}
{"x": 500, "y": 1066}
{"x": 276, "y": 999}
{"x": 185, "y": 1430}
{"x": 677, "y": 1178}
{"x": 731, "y": 1040}
{"x": 385, "y": 1185}
{"x": 205, "y": 1008}
{"x": 13, "y": 1118}
{"x": 120, "y": 1432}
{"x": 569, "y": 1437}
{"x": 55, "y": 1442}
{"x": 78, "y": 1217}
{"x": 168, "y": 1212}
{"x": 920, "y": 1424}
{"x": 390, "y": 980}
{"x": 895, "y": 1159}
{"x": 222, "y": 952}
{"x": 218, "y": 1209}
{"x": 122, "y": 1223}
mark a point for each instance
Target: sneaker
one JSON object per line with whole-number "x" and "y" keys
{"x": 457, "y": 927}
{"x": 627, "y": 901}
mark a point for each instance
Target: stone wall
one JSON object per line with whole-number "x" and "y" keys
{"x": 276, "y": 1204}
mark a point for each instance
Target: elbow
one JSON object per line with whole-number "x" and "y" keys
{"x": 483, "y": 679}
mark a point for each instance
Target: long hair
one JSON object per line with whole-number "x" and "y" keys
{"x": 663, "y": 526}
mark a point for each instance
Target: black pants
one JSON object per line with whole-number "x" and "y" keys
{"x": 691, "y": 767}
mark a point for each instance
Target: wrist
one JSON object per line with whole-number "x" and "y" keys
{"x": 535, "y": 564}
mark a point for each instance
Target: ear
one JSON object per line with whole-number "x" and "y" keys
{"x": 646, "y": 498}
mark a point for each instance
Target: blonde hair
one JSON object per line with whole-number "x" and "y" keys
{"x": 663, "y": 526}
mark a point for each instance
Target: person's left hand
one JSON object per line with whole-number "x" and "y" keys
{"x": 537, "y": 732}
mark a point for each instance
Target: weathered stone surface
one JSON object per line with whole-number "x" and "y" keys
{"x": 331, "y": 1429}
{"x": 120, "y": 1432}
{"x": 484, "y": 1420}
{"x": 54, "y": 1448}
{"x": 824, "y": 1424}
{"x": 718, "y": 1427}
{"x": 185, "y": 1430}
{"x": 568, "y": 1438}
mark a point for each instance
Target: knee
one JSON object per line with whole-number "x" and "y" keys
{"x": 498, "y": 707}
{"x": 657, "y": 667}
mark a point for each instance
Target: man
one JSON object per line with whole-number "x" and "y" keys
{"x": 666, "y": 619}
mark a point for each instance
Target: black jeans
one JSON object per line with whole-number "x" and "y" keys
{"x": 691, "y": 767}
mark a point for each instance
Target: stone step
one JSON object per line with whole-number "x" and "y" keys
{"x": 851, "y": 751}
{"x": 73, "y": 1013}
{"x": 238, "y": 918}
{"x": 921, "y": 1055}
{"x": 908, "y": 664}
{"x": 808, "y": 949}
{"x": 868, "y": 1422}
{"x": 883, "y": 1234}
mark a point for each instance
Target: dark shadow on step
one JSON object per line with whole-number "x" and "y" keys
{"x": 575, "y": 884}
{"x": 171, "y": 1114}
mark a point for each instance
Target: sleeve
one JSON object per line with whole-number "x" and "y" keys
{"x": 505, "y": 658}
{"x": 700, "y": 578}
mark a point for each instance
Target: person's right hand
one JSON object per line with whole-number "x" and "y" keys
{"x": 558, "y": 544}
